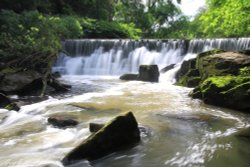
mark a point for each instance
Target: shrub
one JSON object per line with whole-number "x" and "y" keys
{"x": 33, "y": 36}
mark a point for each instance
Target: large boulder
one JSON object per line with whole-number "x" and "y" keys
{"x": 7, "y": 103}
{"x": 211, "y": 63}
{"x": 220, "y": 63}
{"x": 225, "y": 91}
{"x": 119, "y": 133}
{"x": 21, "y": 83}
{"x": 149, "y": 73}
{"x": 30, "y": 82}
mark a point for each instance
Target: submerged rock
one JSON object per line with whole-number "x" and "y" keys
{"x": 7, "y": 103}
{"x": 149, "y": 73}
{"x": 62, "y": 121}
{"x": 129, "y": 77}
{"x": 58, "y": 86}
{"x": 119, "y": 133}
{"x": 167, "y": 68}
{"x": 56, "y": 74}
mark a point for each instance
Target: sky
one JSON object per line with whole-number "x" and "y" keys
{"x": 190, "y": 7}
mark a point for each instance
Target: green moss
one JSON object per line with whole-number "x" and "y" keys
{"x": 210, "y": 52}
{"x": 189, "y": 81}
{"x": 226, "y": 91}
{"x": 10, "y": 106}
{"x": 220, "y": 82}
{"x": 244, "y": 71}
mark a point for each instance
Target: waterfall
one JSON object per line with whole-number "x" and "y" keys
{"x": 116, "y": 57}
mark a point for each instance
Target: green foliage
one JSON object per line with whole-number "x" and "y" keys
{"x": 154, "y": 17}
{"x": 104, "y": 29}
{"x": 178, "y": 29}
{"x": 97, "y": 9}
{"x": 225, "y": 18}
{"x": 34, "y": 35}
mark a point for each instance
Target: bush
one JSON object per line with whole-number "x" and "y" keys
{"x": 32, "y": 35}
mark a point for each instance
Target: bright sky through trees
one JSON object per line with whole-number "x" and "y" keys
{"x": 191, "y": 7}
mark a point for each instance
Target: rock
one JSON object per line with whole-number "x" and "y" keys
{"x": 196, "y": 93}
{"x": 119, "y": 133}
{"x": 221, "y": 63}
{"x": 58, "y": 86}
{"x": 169, "y": 67}
{"x": 94, "y": 127}
{"x": 246, "y": 52}
{"x": 56, "y": 74}
{"x": 21, "y": 83}
{"x": 188, "y": 75}
{"x": 26, "y": 100}
{"x": 7, "y": 103}
{"x": 62, "y": 121}
{"x": 149, "y": 73}
{"x": 129, "y": 77}
{"x": 225, "y": 91}
{"x": 211, "y": 63}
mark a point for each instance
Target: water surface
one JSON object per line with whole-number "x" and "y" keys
{"x": 176, "y": 130}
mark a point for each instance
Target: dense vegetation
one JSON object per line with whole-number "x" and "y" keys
{"x": 35, "y": 28}
{"x": 223, "y": 18}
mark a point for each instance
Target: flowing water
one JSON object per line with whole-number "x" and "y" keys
{"x": 175, "y": 129}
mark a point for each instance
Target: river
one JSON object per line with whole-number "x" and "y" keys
{"x": 175, "y": 129}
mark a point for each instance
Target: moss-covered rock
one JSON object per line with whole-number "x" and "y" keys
{"x": 211, "y": 63}
{"x": 119, "y": 133}
{"x": 7, "y": 103}
{"x": 188, "y": 75}
{"x": 221, "y": 63}
{"x": 226, "y": 91}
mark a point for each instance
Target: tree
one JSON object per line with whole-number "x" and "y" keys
{"x": 226, "y": 18}
{"x": 149, "y": 15}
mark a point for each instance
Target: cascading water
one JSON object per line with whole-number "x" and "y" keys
{"x": 115, "y": 57}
